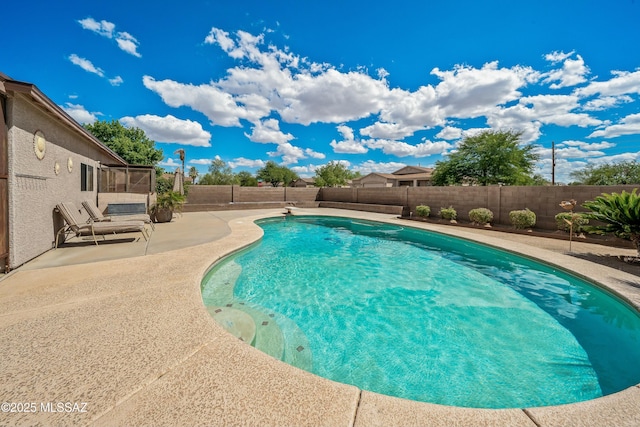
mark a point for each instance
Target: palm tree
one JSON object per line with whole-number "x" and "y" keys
{"x": 193, "y": 173}
{"x": 620, "y": 214}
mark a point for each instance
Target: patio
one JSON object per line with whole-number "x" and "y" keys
{"x": 121, "y": 328}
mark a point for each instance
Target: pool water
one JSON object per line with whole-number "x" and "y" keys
{"x": 427, "y": 317}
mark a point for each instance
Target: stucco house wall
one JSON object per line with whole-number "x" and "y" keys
{"x": 34, "y": 185}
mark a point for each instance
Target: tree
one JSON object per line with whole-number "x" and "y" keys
{"x": 129, "y": 143}
{"x": 275, "y": 174}
{"x": 620, "y": 214}
{"x": 206, "y": 179}
{"x": 490, "y": 157}
{"x": 220, "y": 173}
{"x": 193, "y": 173}
{"x": 536, "y": 179}
{"x": 609, "y": 174}
{"x": 246, "y": 179}
{"x": 333, "y": 174}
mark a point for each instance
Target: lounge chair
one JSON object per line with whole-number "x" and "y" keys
{"x": 97, "y": 216}
{"x": 68, "y": 211}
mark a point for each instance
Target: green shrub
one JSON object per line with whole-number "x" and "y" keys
{"x": 523, "y": 218}
{"x": 619, "y": 213}
{"x": 423, "y": 211}
{"x": 579, "y": 221}
{"x": 481, "y": 216}
{"x": 448, "y": 213}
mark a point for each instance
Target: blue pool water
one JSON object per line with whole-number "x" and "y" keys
{"x": 419, "y": 315}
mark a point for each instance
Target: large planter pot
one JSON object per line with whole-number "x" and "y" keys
{"x": 163, "y": 215}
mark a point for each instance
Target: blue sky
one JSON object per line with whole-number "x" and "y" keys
{"x": 304, "y": 83}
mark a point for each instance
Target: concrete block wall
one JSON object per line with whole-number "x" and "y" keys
{"x": 348, "y": 195}
{"x": 383, "y": 196}
{"x": 258, "y": 194}
{"x": 225, "y": 194}
{"x": 544, "y": 201}
{"x": 294, "y": 194}
{"x": 210, "y": 194}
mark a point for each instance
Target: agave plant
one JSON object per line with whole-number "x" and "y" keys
{"x": 619, "y": 213}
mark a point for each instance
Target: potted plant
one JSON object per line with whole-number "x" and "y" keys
{"x": 166, "y": 203}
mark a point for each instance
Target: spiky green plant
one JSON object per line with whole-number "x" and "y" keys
{"x": 619, "y": 213}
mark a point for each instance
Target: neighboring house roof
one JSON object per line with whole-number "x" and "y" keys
{"x": 406, "y": 173}
{"x": 409, "y": 170}
{"x": 422, "y": 175}
{"x": 36, "y": 96}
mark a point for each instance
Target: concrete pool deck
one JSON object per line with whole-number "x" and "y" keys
{"x": 122, "y": 328}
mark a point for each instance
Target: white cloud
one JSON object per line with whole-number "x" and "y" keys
{"x": 557, "y": 56}
{"x": 268, "y": 131}
{"x": 449, "y": 133}
{"x": 530, "y": 113}
{"x": 622, "y": 83}
{"x": 313, "y": 154}
{"x": 128, "y": 43}
{"x": 573, "y": 71}
{"x": 557, "y": 110}
{"x": 588, "y": 146}
{"x": 348, "y": 145}
{"x": 576, "y": 153}
{"x": 270, "y": 85}
{"x": 171, "y": 163}
{"x": 289, "y": 153}
{"x": 467, "y": 92}
{"x": 103, "y": 28}
{"x": 332, "y": 97}
{"x": 629, "y": 125}
{"x": 370, "y": 166}
{"x": 85, "y": 64}
{"x": 402, "y": 149}
{"x": 305, "y": 171}
{"x": 200, "y": 161}
{"x": 617, "y": 158}
{"x": 389, "y": 130}
{"x": 116, "y": 81}
{"x": 170, "y": 129}
{"x": 606, "y": 102}
{"x": 125, "y": 41}
{"x": 79, "y": 113}
{"x": 247, "y": 163}
{"x": 210, "y": 100}
{"x": 222, "y": 38}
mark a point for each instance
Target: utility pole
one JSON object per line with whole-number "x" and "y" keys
{"x": 553, "y": 163}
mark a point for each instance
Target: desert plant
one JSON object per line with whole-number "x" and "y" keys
{"x": 620, "y": 214}
{"x": 522, "y": 219}
{"x": 481, "y": 216}
{"x": 578, "y": 220}
{"x": 423, "y": 211}
{"x": 167, "y": 203}
{"x": 448, "y": 213}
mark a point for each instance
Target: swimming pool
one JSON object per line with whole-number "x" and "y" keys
{"x": 418, "y": 315}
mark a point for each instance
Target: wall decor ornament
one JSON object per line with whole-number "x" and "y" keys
{"x": 70, "y": 164}
{"x": 56, "y": 168}
{"x": 39, "y": 144}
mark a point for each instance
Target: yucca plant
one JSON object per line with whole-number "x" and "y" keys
{"x": 620, "y": 214}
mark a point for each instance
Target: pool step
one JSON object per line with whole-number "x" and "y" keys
{"x": 297, "y": 351}
{"x": 270, "y": 333}
{"x": 218, "y": 290}
{"x": 236, "y": 322}
{"x": 269, "y": 338}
